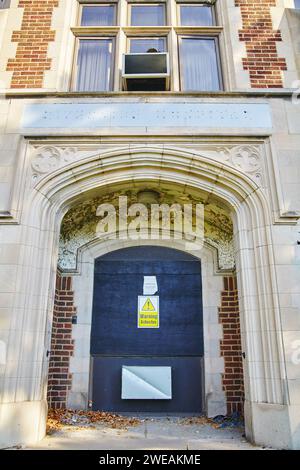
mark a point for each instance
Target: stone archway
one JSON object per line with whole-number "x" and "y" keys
{"x": 58, "y": 188}
{"x": 79, "y": 247}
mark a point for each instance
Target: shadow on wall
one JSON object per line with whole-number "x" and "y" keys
{"x": 292, "y": 17}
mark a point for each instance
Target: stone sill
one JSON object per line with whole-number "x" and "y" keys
{"x": 257, "y": 93}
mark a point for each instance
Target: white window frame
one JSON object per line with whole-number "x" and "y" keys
{"x": 122, "y": 32}
{"x": 130, "y": 38}
{"x": 95, "y": 4}
{"x": 146, "y": 4}
{"x": 189, "y": 3}
{"x": 219, "y": 63}
{"x": 113, "y": 61}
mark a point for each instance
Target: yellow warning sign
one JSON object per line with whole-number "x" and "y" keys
{"x": 148, "y": 311}
{"x": 148, "y": 306}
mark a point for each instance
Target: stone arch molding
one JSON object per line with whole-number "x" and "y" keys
{"x": 244, "y": 157}
{"x": 58, "y": 190}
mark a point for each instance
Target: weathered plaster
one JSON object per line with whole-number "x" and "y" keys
{"x": 79, "y": 225}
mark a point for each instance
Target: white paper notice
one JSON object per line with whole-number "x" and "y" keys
{"x": 150, "y": 285}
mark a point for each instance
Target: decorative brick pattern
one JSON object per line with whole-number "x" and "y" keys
{"x": 62, "y": 345}
{"x": 262, "y": 62}
{"x": 33, "y": 39}
{"x": 231, "y": 349}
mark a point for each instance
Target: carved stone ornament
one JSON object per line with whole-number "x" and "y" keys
{"x": 245, "y": 158}
{"x": 47, "y": 159}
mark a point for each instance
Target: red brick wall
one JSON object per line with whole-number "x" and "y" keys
{"x": 262, "y": 61}
{"x": 231, "y": 348}
{"x": 62, "y": 345}
{"x": 31, "y": 59}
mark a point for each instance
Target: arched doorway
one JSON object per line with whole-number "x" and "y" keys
{"x": 50, "y": 196}
{"x": 147, "y": 339}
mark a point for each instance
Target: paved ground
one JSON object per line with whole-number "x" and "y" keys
{"x": 150, "y": 434}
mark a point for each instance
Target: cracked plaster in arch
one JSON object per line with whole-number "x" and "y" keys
{"x": 79, "y": 226}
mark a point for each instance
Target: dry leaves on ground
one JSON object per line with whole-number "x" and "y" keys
{"x": 60, "y": 418}
{"x": 199, "y": 421}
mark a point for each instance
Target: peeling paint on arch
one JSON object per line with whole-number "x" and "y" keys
{"x": 79, "y": 225}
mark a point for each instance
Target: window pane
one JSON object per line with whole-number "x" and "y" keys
{"x": 100, "y": 15}
{"x": 4, "y": 4}
{"x": 94, "y": 65}
{"x": 297, "y": 4}
{"x": 148, "y": 15}
{"x": 143, "y": 45}
{"x": 196, "y": 15}
{"x": 199, "y": 65}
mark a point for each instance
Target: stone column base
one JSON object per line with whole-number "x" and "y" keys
{"x": 22, "y": 423}
{"x": 273, "y": 425}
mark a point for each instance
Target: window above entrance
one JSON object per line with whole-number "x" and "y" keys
{"x": 170, "y": 45}
{"x": 196, "y": 14}
{"x": 98, "y": 15}
{"x": 147, "y": 15}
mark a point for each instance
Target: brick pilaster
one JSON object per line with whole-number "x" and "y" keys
{"x": 62, "y": 345}
{"x": 33, "y": 39}
{"x": 231, "y": 348}
{"x": 262, "y": 61}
